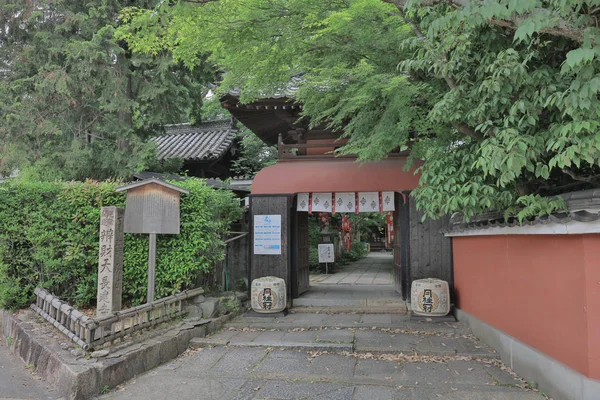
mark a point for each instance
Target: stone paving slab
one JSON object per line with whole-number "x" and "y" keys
{"x": 269, "y": 337}
{"x": 375, "y": 269}
{"x": 207, "y": 342}
{"x": 19, "y": 382}
{"x": 376, "y": 319}
{"x": 432, "y": 362}
{"x": 241, "y": 373}
{"x": 344, "y": 298}
{"x": 335, "y": 336}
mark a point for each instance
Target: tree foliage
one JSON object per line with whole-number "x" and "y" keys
{"x": 253, "y": 155}
{"x": 74, "y": 101}
{"x": 499, "y": 98}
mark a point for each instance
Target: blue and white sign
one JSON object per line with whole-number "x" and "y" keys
{"x": 267, "y": 234}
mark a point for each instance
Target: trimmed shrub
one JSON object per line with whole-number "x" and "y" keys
{"x": 313, "y": 258}
{"x": 357, "y": 251}
{"x": 49, "y": 237}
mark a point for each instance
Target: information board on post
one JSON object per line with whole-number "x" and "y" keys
{"x": 267, "y": 234}
{"x": 326, "y": 253}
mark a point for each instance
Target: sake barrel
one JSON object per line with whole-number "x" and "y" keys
{"x": 268, "y": 294}
{"x": 430, "y": 297}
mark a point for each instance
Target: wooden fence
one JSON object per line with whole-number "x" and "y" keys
{"x": 90, "y": 332}
{"x": 65, "y": 318}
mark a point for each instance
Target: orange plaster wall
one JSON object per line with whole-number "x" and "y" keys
{"x": 536, "y": 288}
{"x": 591, "y": 252}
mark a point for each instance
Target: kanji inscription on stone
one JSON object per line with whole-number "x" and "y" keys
{"x": 110, "y": 264}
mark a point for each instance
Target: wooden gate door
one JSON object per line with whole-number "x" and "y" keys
{"x": 300, "y": 271}
{"x": 401, "y": 244}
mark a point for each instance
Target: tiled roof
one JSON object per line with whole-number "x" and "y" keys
{"x": 286, "y": 91}
{"x": 582, "y": 206}
{"x": 208, "y": 141}
{"x": 214, "y": 183}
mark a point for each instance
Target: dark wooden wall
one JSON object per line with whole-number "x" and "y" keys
{"x": 262, "y": 265}
{"x": 430, "y": 250}
{"x": 401, "y": 245}
{"x": 238, "y": 253}
{"x": 300, "y": 249}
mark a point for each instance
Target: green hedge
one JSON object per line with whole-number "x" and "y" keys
{"x": 49, "y": 238}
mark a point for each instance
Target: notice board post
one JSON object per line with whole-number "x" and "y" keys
{"x": 152, "y": 206}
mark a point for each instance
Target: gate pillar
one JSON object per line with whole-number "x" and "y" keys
{"x": 270, "y": 238}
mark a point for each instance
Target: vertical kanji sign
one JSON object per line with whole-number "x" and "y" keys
{"x": 110, "y": 264}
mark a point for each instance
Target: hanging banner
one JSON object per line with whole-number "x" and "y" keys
{"x": 333, "y": 211}
{"x": 387, "y": 200}
{"x": 346, "y": 225}
{"x": 321, "y": 202}
{"x": 302, "y": 202}
{"x": 267, "y": 234}
{"x": 368, "y": 201}
{"x": 346, "y": 232}
{"x": 389, "y": 232}
{"x": 347, "y": 238}
{"x": 345, "y": 202}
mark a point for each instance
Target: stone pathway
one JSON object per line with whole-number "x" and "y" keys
{"x": 375, "y": 269}
{"x": 376, "y": 298}
{"x": 19, "y": 382}
{"x": 295, "y": 357}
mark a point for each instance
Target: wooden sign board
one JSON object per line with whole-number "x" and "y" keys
{"x": 152, "y": 207}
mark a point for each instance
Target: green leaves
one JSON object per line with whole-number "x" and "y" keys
{"x": 578, "y": 57}
{"x": 49, "y": 238}
{"x": 525, "y": 30}
{"x": 532, "y": 96}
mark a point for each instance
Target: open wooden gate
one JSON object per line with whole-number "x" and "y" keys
{"x": 401, "y": 244}
{"x": 300, "y": 266}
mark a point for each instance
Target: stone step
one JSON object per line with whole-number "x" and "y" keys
{"x": 201, "y": 342}
{"x": 303, "y": 346}
{"x": 359, "y": 340}
{"x": 349, "y": 346}
{"x": 323, "y": 319}
{"x": 401, "y": 309}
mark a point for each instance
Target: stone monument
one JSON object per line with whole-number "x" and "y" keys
{"x": 110, "y": 264}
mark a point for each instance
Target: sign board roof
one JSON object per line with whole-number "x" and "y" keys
{"x": 149, "y": 181}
